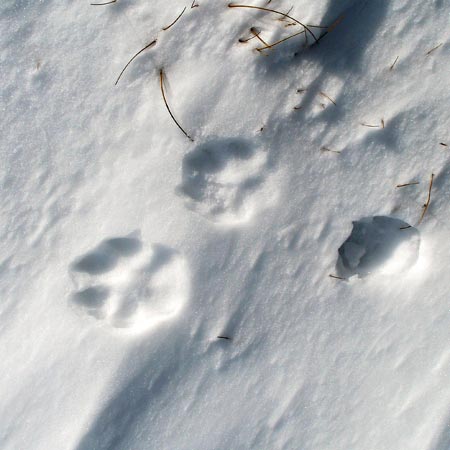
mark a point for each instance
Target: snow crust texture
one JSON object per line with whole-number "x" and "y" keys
{"x": 277, "y": 281}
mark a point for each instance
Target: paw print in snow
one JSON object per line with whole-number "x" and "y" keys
{"x": 225, "y": 180}
{"x": 126, "y": 286}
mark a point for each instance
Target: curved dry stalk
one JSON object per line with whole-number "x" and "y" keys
{"x": 161, "y": 83}
{"x": 102, "y": 4}
{"x": 257, "y": 33}
{"x": 326, "y": 149}
{"x": 434, "y": 48}
{"x": 175, "y": 21}
{"x": 328, "y": 98}
{"x": 331, "y": 27}
{"x": 137, "y": 54}
{"x": 243, "y": 41}
{"x": 407, "y": 184}
{"x": 281, "y": 40}
{"x": 369, "y": 125}
{"x": 337, "y": 278}
{"x": 427, "y": 203}
{"x": 394, "y": 63}
{"x": 260, "y": 8}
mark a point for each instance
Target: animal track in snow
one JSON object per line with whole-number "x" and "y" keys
{"x": 123, "y": 284}
{"x": 378, "y": 244}
{"x": 223, "y": 178}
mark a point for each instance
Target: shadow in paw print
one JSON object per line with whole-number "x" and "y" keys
{"x": 106, "y": 255}
{"x": 378, "y": 244}
{"x": 221, "y": 178}
{"x": 124, "y": 246}
{"x": 211, "y": 158}
{"x": 92, "y": 299}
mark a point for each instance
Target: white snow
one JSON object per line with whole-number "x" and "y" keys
{"x": 126, "y": 249}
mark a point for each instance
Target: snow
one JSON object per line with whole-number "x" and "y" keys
{"x": 126, "y": 249}
{"x": 379, "y": 244}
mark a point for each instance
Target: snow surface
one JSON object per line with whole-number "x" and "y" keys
{"x": 126, "y": 249}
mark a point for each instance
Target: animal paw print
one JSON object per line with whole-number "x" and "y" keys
{"x": 123, "y": 284}
{"x": 378, "y": 244}
{"x": 224, "y": 178}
